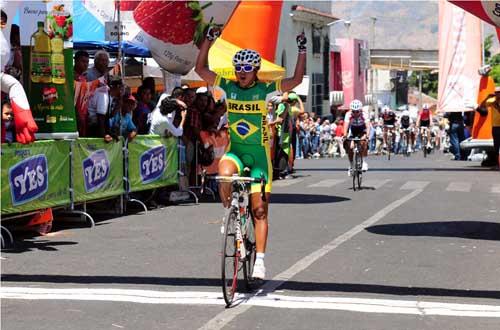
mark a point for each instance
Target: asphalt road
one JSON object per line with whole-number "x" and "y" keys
{"x": 417, "y": 248}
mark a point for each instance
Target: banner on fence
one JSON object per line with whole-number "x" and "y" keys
{"x": 152, "y": 162}
{"x": 34, "y": 176}
{"x": 97, "y": 169}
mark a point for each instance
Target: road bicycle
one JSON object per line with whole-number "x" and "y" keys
{"x": 424, "y": 138}
{"x": 405, "y": 141}
{"x": 357, "y": 159}
{"x": 238, "y": 244}
{"x": 390, "y": 140}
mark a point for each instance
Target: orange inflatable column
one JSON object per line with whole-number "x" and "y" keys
{"x": 255, "y": 25}
{"x": 481, "y": 129}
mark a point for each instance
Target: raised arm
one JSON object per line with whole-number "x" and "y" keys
{"x": 300, "y": 67}
{"x": 201, "y": 67}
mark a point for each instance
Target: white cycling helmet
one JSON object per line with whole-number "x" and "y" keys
{"x": 425, "y": 106}
{"x": 386, "y": 109}
{"x": 356, "y": 105}
{"x": 247, "y": 57}
{"x": 405, "y": 113}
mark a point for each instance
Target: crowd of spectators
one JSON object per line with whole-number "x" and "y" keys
{"x": 107, "y": 108}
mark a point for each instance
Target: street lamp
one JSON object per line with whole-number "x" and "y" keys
{"x": 347, "y": 23}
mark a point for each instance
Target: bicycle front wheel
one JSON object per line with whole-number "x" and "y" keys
{"x": 355, "y": 170}
{"x": 360, "y": 171}
{"x": 230, "y": 259}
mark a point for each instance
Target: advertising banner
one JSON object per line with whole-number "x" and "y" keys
{"x": 459, "y": 58}
{"x": 34, "y": 176}
{"x": 46, "y": 36}
{"x": 97, "y": 169}
{"x": 152, "y": 162}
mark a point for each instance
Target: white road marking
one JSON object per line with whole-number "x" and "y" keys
{"x": 326, "y": 183}
{"x": 286, "y": 183}
{"x": 495, "y": 189}
{"x": 459, "y": 186}
{"x": 365, "y": 305}
{"x": 226, "y": 316}
{"x": 375, "y": 183}
{"x": 413, "y": 185}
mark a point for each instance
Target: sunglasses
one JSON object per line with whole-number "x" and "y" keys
{"x": 245, "y": 68}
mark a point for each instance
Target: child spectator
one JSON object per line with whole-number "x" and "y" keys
{"x": 8, "y": 127}
{"x": 121, "y": 122}
{"x": 141, "y": 115}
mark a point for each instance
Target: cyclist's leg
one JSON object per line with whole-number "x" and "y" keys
{"x": 262, "y": 165}
{"x": 228, "y": 165}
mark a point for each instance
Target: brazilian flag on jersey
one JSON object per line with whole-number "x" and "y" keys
{"x": 247, "y": 110}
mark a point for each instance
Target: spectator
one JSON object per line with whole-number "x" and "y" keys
{"x": 142, "y": 113}
{"x": 121, "y": 123}
{"x": 81, "y": 91}
{"x": 339, "y": 138}
{"x": 325, "y": 137}
{"x": 100, "y": 68}
{"x": 457, "y": 133}
{"x": 81, "y": 65}
{"x": 8, "y": 126}
{"x": 162, "y": 117}
{"x": 149, "y": 82}
{"x": 104, "y": 102}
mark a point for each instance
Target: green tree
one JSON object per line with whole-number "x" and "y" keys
{"x": 493, "y": 60}
{"x": 429, "y": 82}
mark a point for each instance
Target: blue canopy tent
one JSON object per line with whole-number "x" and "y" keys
{"x": 89, "y": 34}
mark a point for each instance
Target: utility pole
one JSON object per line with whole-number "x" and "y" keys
{"x": 372, "y": 46}
{"x": 420, "y": 90}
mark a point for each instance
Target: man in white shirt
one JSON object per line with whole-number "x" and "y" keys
{"x": 162, "y": 117}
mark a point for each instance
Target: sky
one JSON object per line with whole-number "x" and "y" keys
{"x": 399, "y": 24}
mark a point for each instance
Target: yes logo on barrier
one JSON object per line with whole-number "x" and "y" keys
{"x": 28, "y": 179}
{"x": 152, "y": 164}
{"x": 95, "y": 170}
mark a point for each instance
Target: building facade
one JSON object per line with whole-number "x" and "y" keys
{"x": 312, "y": 19}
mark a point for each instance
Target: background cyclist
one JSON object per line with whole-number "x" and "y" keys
{"x": 405, "y": 124}
{"x": 424, "y": 119}
{"x": 246, "y": 100}
{"x": 356, "y": 125}
{"x": 389, "y": 117}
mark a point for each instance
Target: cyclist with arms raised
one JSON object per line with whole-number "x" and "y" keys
{"x": 248, "y": 128}
{"x": 357, "y": 125}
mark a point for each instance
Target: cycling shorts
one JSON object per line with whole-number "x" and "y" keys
{"x": 425, "y": 123}
{"x": 405, "y": 126}
{"x": 391, "y": 122}
{"x": 257, "y": 158}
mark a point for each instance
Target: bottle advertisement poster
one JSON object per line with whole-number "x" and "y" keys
{"x": 46, "y": 37}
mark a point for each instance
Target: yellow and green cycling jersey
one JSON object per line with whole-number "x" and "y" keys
{"x": 248, "y": 127}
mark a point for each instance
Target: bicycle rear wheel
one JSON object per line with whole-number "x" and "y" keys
{"x": 389, "y": 148}
{"x": 250, "y": 258}
{"x": 230, "y": 259}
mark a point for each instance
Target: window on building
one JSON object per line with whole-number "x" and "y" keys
{"x": 316, "y": 40}
{"x": 283, "y": 58}
{"x": 317, "y": 93}
{"x": 326, "y": 68}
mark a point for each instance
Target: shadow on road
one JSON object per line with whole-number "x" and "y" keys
{"x": 291, "y": 198}
{"x": 305, "y": 199}
{"x": 462, "y": 229}
{"x": 291, "y": 285}
{"x": 403, "y": 169}
{"x": 21, "y": 246}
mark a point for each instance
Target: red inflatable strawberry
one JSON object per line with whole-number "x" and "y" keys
{"x": 176, "y": 22}
{"x": 127, "y": 5}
